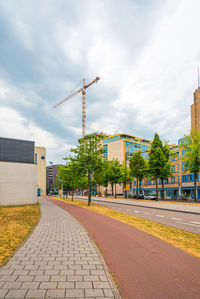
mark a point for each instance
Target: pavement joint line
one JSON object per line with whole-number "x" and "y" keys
{"x": 131, "y": 204}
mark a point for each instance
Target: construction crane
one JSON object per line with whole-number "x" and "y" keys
{"x": 83, "y": 101}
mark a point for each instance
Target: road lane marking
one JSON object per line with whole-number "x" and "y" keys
{"x": 136, "y": 211}
{"x": 196, "y": 222}
{"x": 160, "y": 216}
{"x": 147, "y": 213}
{"x": 128, "y": 210}
{"x": 176, "y": 219}
{"x": 187, "y": 223}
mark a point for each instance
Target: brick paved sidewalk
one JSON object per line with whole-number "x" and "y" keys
{"x": 59, "y": 259}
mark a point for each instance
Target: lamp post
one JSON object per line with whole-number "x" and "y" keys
{"x": 125, "y": 174}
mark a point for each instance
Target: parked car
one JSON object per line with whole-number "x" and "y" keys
{"x": 150, "y": 197}
{"x": 140, "y": 196}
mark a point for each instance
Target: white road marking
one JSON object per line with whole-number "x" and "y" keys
{"x": 160, "y": 216}
{"x": 187, "y": 223}
{"x": 147, "y": 213}
{"x": 136, "y": 211}
{"x": 128, "y": 210}
{"x": 176, "y": 219}
{"x": 196, "y": 222}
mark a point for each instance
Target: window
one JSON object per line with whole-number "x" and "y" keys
{"x": 173, "y": 168}
{"x": 166, "y": 181}
{"x": 173, "y": 179}
{"x": 182, "y": 165}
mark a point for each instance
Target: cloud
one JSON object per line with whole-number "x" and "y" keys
{"x": 143, "y": 52}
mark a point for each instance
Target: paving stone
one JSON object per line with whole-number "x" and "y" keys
{"x": 36, "y": 272}
{"x": 12, "y": 285}
{"x": 25, "y": 278}
{"x": 103, "y": 278}
{"x": 51, "y": 272}
{"x": 75, "y": 278}
{"x": 108, "y": 293}
{"x": 82, "y": 272}
{"x": 67, "y": 272}
{"x": 3, "y": 292}
{"x": 16, "y": 294}
{"x": 8, "y": 277}
{"x": 58, "y": 278}
{"x": 30, "y": 285}
{"x": 91, "y": 278}
{"x": 74, "y": 293}
{"x": 21, "y": 272}
{"x": 66, "y": 285}
{"x": 48, "y": 285}
{"x": 93, "y": 293}
{"x": 101, "y": 285}
{"x": 36, "y": 294}
{"x": 55, "y": 293}
{"x": 84, "y": 285}
{"x": 42, "y": 278}
{"x": 6, "y": 272}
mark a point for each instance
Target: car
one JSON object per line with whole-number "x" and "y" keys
{"x": 140, "y": 196}
{"x": 150, "y": 197}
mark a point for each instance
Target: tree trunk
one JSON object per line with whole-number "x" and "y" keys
{"x": 195, "y": 187}
{"x": 163, "y": 186}
{"x": 137, "y": 187}
{"x": 89, "y": 188}
{"x": 156, "y": 188}
{"x": 72, "y": 193}
{"x": 112, "y": 190}
{"x": 115, "y": 190}
{"x": 106, "y": 192}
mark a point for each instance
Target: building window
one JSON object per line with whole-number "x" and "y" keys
{"x": 173, "y": 168}
{"x": 173, "y": 179}
{"x": 35, "y": 158}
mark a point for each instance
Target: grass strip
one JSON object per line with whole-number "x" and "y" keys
{"x": 183, "y": 240}
{"x": 16, "y": 223}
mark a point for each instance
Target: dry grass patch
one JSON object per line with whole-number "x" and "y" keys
{"x": 16, "y": 223}
{"x": 183, "y": 240}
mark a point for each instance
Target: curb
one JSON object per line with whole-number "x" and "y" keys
{"x": 131, "y": 204}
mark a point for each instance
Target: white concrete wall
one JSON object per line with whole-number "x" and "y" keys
{"x": 18, "y": 183}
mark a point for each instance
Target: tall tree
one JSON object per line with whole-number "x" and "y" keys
{"x": 69, "y": 175}
{"x": 157, "y": 160}
{"x": 191, "y": 144}
{"x": 114, "y": 174}
{"x": 88, "y": 155}
{"x": 138, "y": 169}
{"x": 166, "y": 170}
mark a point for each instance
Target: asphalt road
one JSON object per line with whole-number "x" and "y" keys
{"x": 144, "y": 267}
{"x": 184, "y": 221}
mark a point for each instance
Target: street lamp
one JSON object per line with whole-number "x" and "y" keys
{"x": 125, "y": 173}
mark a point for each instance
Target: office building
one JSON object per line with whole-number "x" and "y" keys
{"x": 18, "y": 172}
{"x": 40, "y": 160}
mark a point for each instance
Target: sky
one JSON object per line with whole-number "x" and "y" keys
{"x": 146, "y": 53}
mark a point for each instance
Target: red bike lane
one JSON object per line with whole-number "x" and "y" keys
{"x": 144, "y": 267}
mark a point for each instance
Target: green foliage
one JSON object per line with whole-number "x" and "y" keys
{"x": 158, "y": 159}
{"x": 138, "y": 167}
{"x": 191, "y": 145}
{"x": 88, "y": 156}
